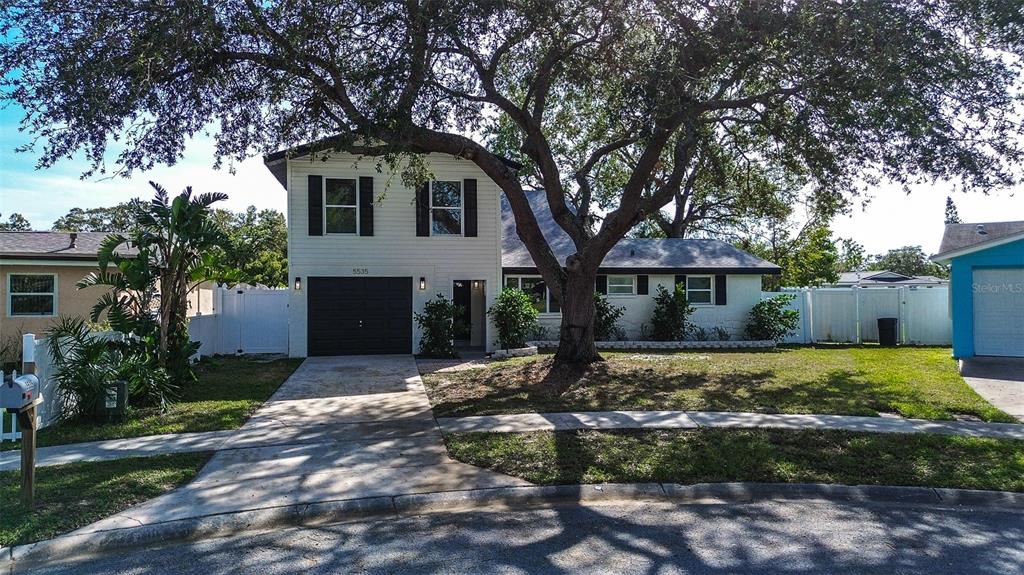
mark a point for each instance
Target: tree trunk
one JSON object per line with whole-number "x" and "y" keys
{"x": 576, "y": 336}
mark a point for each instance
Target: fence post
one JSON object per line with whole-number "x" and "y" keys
{"x": 28, "y": 353}
{"x": 856, "y": 308}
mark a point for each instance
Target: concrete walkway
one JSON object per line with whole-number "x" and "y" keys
{"x": 612, "y": 420}
{"x": 999, "y": 380}
{"x": 340, "y": 428}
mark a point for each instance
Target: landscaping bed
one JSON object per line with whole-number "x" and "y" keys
{"x": 228, "y": 391}
{"x": 74, "y": 495}
{"x": 769, "y": 456}
{"x": 826, "y": 379}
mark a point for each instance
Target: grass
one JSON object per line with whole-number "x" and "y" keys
{"x": 229, "y": 389}
{"x": 77, "y": 494}
{"x": 716, "y": 455}
{"x": 849, "y": 380}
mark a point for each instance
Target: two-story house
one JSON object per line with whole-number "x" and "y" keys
{"x": 365, "y": 253}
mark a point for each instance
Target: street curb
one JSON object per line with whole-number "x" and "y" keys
{"x": 77, "y": 545}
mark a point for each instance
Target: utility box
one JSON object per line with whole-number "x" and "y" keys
{"x": 18, "y": 392}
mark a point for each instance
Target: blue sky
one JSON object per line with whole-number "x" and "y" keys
{"x": 891, "y": 218}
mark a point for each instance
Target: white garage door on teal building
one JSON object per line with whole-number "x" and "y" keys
{"x": 986, "y": 287}
{"x": 998, "y": 295}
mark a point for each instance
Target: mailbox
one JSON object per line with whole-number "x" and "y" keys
{"x": 17, "y": 392}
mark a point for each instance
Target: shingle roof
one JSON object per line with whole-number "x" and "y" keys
{"x": 876, "y": 277}
{"x": 652, "y": 255}
{"x": 960, "y": 236}
{"x": 52, "y": 245}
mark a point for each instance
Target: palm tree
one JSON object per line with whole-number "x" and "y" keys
{"x": 175, "y": 247}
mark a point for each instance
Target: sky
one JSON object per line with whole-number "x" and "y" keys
{"x": 890, "y": 219}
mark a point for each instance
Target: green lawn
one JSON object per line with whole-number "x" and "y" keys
{"x": 74, "y": 495}
{"x": 775, "y": 456}
{"x": 851, "y": 380}
{"x": 228, "y": 391}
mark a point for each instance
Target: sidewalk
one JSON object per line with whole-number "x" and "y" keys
{"x": 612, "y": 420}
{"x": 285, "y": 439}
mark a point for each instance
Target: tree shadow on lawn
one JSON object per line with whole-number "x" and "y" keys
{"x": 540, "y": 386}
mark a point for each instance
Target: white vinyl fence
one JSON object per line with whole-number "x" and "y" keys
{"x": 245, "y": 320}
{"x": 850, "y": 315}
{"x": 34, "y": 350}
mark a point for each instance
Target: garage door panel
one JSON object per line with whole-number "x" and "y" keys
{"x": 999, "y": 311}
{"x": 347, "y": 316}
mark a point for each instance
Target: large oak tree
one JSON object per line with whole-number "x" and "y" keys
{"x": 891, "y": 89}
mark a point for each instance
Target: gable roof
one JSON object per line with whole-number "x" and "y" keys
{"x": 635, "y": 255}
{"x": 52, "y": 245}
{"x": 961, "y": 239}
{"x": 275, "y": 161}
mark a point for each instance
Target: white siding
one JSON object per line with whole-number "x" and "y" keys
{"x": 742, "y": 293}
{"x": 394, "y": 250}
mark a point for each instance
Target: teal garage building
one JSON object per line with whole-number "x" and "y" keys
{"x": 986, "y": 287}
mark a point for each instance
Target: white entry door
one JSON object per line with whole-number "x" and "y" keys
{"x": 999, "y": 311}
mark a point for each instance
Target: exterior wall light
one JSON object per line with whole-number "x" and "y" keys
{"x": 298, "y": 283}
{"x": 423, "y": 283}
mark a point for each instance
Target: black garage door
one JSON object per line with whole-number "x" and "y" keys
{"x": 348, "y": 316}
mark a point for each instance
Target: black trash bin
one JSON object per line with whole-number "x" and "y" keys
{"x": 887, "y": 331}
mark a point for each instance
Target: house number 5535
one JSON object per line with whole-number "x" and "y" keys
{"x": 360, "y": 271}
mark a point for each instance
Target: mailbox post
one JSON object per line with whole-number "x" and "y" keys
{"x": 19, "y": 395}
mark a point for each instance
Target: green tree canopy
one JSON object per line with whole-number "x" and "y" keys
{"x": 15, "y": 223}
{"x": 952, "y": 215}
{"x": 834, "y": 90}
{"x": 909, "y": 261}
{"x": 257, "y": 244}
{"x": 119, "y": 218}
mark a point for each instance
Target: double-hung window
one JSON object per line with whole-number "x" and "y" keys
{"x": 446, "y": 209}
{"x": 341, "y": 206}
{"x": 543, "y": 301}
{"x": 699, "y": 289}
{"x": 621, "y": 285}
{"x": 31, "y": 294}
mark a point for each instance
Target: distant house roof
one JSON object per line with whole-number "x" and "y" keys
{"x": 878, "y": 278}
{"x": 52, "y": 245}
{"x": 630, "y": 254}
{"x": 959, "y": 239}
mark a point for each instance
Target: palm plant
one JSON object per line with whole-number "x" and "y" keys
{"x": 178, "y": 247}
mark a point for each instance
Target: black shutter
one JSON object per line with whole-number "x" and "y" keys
{"x": 366, "y": 206}
{"x": 681, "y": 280}
{"x": 641, "y": 285}
{"x": 602, "y": 285}
{"x": 316, "y": 205}
{"x": 720, "y": 290}
{"x": 423, "y": 210}
{"x": 469, "y": 197}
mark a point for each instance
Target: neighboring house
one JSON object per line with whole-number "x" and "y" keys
{"x": 885, "y": 278}
{"x": 987, "y": 287}
{"x": 722, "y": 282}
{"x": 366, "y": 253}
{"x": 38, "y": 273}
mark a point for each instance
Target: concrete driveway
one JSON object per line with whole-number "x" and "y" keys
{"x": 1000, "y": 380}
{"x": 338, "y": 428}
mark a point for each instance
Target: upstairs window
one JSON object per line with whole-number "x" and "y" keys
{"x": 699, "y": 289}
{"x": 341, "y": 206}
{"x": 31, "y": 294}
{"x": 446, "y": 208}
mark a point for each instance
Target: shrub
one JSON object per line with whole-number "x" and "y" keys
{"x": 437, "y": 327}
{"x": 771, "y": 319}
{"x": 514, "y": 316}
{"x": 721, "y": 334}
{"x": 606, "y": 317}
{"x": 671, "y": 318}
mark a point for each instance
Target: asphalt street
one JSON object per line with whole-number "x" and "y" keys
{"x": 765, "y": 537}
